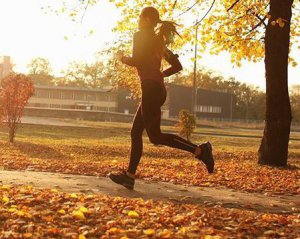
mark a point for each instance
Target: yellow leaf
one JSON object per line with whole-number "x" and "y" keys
{"x": 73, "y": 195}
{"x": 21, "y": 213}
{"x": 54, "y": 190}
{"x": 120, "y": 4}
{"x": 149, "y": 232}
{"x": 12, "y": 209}
{"x": 182, "y": 230}
{"x": 81, "y": 236}
{"x": 212, "y": 237}
{"x": 62, "y": 211}
{"x": 113, "y": 230}
{"x": 78, "y": 215}
{"x": 5, "y": 200}
{"x": 83, "y": 209}
{"x": 133, "y": 214}
{"x": 5, "y": 187}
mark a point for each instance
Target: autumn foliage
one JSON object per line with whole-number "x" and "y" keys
{"x": 29, "y": 212}
{"x": 16, "y": 89}
{"x": 186, "y": 124}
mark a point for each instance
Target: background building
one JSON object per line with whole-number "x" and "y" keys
{"x": 74, "y": 98}
{"x": 5, "y": 66}
{"x": 209, "y": 104}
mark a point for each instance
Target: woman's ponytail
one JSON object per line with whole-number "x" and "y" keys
{"x": 167, "y": 31}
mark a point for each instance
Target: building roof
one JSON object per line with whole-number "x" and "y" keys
{"x": 69, "y": 88}
{"x": 201, "y": 89}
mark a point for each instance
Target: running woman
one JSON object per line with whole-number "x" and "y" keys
{"x": 149, "y": 48}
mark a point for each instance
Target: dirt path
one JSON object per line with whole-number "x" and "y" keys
{"x": 155, "y": 190}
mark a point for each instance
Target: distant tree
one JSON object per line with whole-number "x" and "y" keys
{"x": 40, "y": 71}
{"x": 16, "y": 89}
{"x": 95, "y": 75}
{"x": 82, "y": 74}
{"x": 186, "y": 124}
{"x": 74, "y": 74}
{"x": 60, "y": 81}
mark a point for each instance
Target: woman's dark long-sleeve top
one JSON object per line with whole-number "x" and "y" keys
{"x": 146, "y": 59}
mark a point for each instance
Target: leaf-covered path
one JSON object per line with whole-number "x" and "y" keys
{"x": 210, "y": 196}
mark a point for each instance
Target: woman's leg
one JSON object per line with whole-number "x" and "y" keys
{"x": 127, "y": 178}
{"x": 136, "y": 141}
{"x": 153, "y": 97}
{"x": 152, "y": 118}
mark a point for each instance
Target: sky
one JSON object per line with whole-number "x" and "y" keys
{"x": 27, "y": 32}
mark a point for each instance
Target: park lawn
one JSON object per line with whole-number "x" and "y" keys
{"x": 205, "y": 127}
{"x": 29, "y": 212}
{"x": 105, "y": 147}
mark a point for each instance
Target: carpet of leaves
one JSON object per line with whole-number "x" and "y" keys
{"x": 237, "y": 169}
{"x": 28, "y": 212}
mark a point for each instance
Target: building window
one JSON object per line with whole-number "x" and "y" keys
{"x": 79, "y": 96}
{"x": 91, "y": 97}
{"x": 55, "y": 94}
{"x": 67, "y": 95}
{"x": 209, "y": 109}
{"x": 41, "y": 93}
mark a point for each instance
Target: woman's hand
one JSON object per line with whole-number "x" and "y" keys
{"x": 119, "y": 55}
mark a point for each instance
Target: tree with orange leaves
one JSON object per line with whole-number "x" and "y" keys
{"x": 16, "y": 89}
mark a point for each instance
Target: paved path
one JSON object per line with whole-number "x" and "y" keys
{"x": 155, "y": 190}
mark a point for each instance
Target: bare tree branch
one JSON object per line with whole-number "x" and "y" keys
{"x": 174, "y": 5}
{"x": 189, "y": 8}
{"x": 232, "y": 6}
{"x": 211, "y": 7}
{"x": 85, "y": 9}
{"x": 261, "y": 21}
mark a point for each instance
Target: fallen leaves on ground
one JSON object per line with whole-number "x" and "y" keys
{"x": 237, "y": 170}
{"x": 46, "y": 213}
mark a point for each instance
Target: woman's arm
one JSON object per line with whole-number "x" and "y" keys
{"x": 136, "y": 57}
{"x": 172, "y": 59}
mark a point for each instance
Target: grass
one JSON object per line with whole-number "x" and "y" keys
{"x": 105, "y": 146}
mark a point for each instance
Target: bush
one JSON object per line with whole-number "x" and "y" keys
{"x": 186, "y": 124}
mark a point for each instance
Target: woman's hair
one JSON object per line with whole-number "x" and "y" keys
{"x": 165, "y": 32}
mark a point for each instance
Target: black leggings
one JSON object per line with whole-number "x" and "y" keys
{"x": 148, "y": 117}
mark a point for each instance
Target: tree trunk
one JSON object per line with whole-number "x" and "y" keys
{"x": 274, "y": 145}
{"x": 12, "y": 132}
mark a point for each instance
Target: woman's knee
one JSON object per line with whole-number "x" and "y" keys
{"x": 155, "y": 138}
